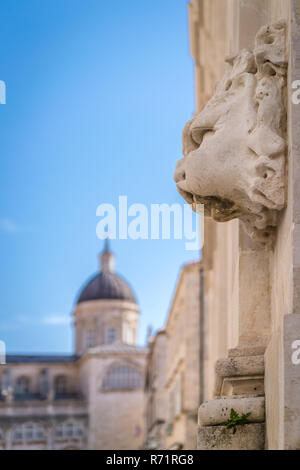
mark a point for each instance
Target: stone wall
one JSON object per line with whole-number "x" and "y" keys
{"x": 173, "y": 381}
{"x": 251, "y": 292}
{"x": 155, "y": 394}
{"x": 116, "y": 417}
{"x": 183, "y": 360}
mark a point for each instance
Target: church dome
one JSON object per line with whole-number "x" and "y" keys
{"x": 106, "y": 284}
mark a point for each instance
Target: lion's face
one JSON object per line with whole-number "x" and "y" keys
{"x": 218, "y": 164}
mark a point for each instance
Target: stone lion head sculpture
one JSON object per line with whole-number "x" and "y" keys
{"x": 234, "y": 150}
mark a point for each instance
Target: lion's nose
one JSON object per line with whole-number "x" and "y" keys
{"x": 188, "y": 145}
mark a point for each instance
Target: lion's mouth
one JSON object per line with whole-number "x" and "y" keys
{"x": 181, "y": 183}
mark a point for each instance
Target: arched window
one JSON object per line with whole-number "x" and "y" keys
{"x": 129, "y": 333}
{"x": 68, "y": 430}
{"x": 110, "y": 335}
{"x": 90, "y": 338}
{"x": 44, "y": 382}
{"x": 124, "y": 377}
{"x": 29, "y": 432}
{"x": 22, "y": 386}
{"x": 61, "y": 385}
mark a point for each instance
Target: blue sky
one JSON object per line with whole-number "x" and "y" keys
{"x": 97, "y": 95}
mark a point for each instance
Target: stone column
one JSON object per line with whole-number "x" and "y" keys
{"x": 282, "y": 374}
{"x": 8, "y": 438}
{"x": 253, "y": 191}
{"x": 50, "y": 431}
{"x": 240, "y": 376}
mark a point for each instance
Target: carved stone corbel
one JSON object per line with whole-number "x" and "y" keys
{"x": 234, "y": 150}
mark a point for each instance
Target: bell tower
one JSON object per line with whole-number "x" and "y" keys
{"x": 106, "y": 310}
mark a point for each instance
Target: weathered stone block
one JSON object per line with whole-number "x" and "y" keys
{"x": 217, "y": 411}
{"x": 247, "y": 437}
{"x": 247, "y": 351}
{"x": 248, "y": 385}
{"x": 240, "y": 366}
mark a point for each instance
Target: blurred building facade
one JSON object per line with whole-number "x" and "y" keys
{"x": 93, "y": 399}
{"x": 156, "y": 399}
{"x": 173, "y": 369}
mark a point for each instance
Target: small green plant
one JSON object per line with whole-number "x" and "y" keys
{"x": 236, "y": 420}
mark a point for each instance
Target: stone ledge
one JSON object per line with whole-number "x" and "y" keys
{"x": 247, "y": 351}
{"x": 238, "y": 366}
{"x": 247, "y": 437}
{"x": 217, "y": 411}
{"x": 248, "y": 386}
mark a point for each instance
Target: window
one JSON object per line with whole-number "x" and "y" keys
{"x": 129, "y": 334}
{"x": 110, "y": 335}
{"x": 22, "y": 386}
{"x": 1, "y": 435}
{"x": 61, "y": 385}
{"x": 123, "y": 378}
{"x": 90, "y": 338}
{"x": 29, "y": 432}
{"x": 69, "y": 430}
{"x": 44, "y": 382}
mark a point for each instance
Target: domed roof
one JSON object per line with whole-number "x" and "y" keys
{"x": 106, "y": 284}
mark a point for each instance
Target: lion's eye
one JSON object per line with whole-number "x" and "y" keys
{"x": 208, "y": 133}
{"x": 228, "y": 85}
